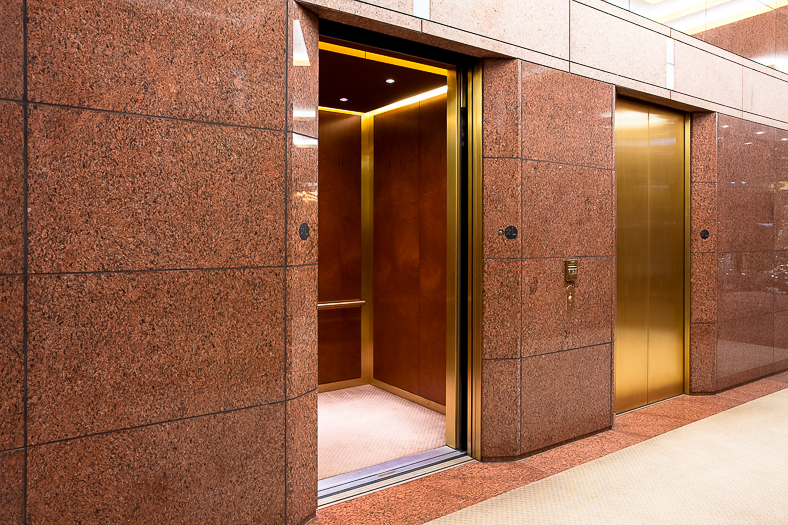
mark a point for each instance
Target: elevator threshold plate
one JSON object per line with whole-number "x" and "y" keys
{"x": 344, "y": 487}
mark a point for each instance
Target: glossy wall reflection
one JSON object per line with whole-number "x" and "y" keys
{"x": 739, "y": 281}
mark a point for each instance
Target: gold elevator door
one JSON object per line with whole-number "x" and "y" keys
{"x": 649, "y": 343}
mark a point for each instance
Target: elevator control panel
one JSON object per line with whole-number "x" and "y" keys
{"x": 570, "y": 270}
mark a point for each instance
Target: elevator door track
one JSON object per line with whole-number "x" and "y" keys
{"x": 344, "y": 487}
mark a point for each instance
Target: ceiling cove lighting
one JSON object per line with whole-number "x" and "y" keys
{"x": 404, "y": 102}
{"x": 343, "y": 99}
{"x": 389, "y": 81}
{"x": 325, "y": 46}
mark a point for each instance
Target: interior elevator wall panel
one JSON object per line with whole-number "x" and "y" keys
{"x": 649, "y": 344}
{"x": 339, "y": 264}
{"x": 395, "y": 281}
{"x": 432, "y": 250}
{"x": 409, "y": 269}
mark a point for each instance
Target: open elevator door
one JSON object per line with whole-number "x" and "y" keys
{"x": 391, "y": 276}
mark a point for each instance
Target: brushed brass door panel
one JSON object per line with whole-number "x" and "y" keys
{"x": 649, "y": 344}
{"x": 632, "y": 282}
{"x": 666, "y": 254}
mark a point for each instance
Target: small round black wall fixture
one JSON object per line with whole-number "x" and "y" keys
{"x": 704, "y": 234}
{"x": 510, "y": 232}
{"x": 303, "y": 231}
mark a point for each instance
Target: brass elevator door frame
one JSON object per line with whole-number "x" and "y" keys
{"x": 651, "y": 240}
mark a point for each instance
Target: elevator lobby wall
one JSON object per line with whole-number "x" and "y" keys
{"x": 158, "y": 346}
{"x": 739, "y": 196}
{"x": 548, "y": 170}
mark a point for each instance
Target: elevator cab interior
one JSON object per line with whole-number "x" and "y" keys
{"x": 386, "y": 259}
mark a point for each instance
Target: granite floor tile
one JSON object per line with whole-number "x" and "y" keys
{"x": 582, "y": 451}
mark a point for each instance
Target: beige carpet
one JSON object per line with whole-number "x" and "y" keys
{"x": 364, "y": 426}
{"x": 730, "y": 468}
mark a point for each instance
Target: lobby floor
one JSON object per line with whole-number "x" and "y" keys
{"x": 432, "y": 497}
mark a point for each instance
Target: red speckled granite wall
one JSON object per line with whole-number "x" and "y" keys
{"x": 740, "y": 272}
{"x": 158, "y": 327}
{"x": 548, "y": 171}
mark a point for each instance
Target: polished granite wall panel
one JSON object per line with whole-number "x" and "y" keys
{"x": 11, "y": 363}
{"x": 566, "y": 118}
{"x": 12, "y": 487}
{"x": 302, "y": 71}
{"x": 565, "y": 395}
{"x": 745, "y": 284}
{"x": 301, "y": 203}
{"x": 502, "y": 204}
{"x": 301, "y": 330}
{"x": 11, "y": 49}
{"x": 112, "y": 351}
{"x": 703, "y": 216}
{"x": 780, "y": 341}
{"x": 11, "y": 181}
{"x": 703, "y": 358}
{"x": 567, "y": 210}
{"x": 223, "y": 61}
{"x": 119, "y": 192}
{"x": 223, "y": 468}
{"x": 502, "y": 304}
{"x": 548, "y": 325}
{"x": 745, "y": 349}
{"x": 162, "y": 169}
{"x": 781, "y": 39}
{"x": 548, "y": 171}
{"x": 703, "y": 287}
{"x": 703, "y": 147}
{"x": 301, "y": 458}
{"x": 542, "y": 26}
{"x": 502, "y": 96}
{"x": 752, "y": 37}
{"x": 500, "y": 408}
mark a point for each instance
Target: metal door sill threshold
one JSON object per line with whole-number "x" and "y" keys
{"x": 344, "y": 487}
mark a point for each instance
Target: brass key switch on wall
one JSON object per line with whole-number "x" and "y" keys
{"x": 570, "y": 276}
{"x": 570, "y": 270}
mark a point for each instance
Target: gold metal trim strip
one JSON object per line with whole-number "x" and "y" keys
{"x": 367, "y": 222}
{"x": 687, "y": 252}
{"x": 475, "y": 262}
{"x": 334, "y": 48}
{"x": 336, "y": 305}
{"x": 452, "y": 260}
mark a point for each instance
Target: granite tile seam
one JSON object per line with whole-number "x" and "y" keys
{"x": 160, "y": 270}
{"x": 25, "y": 253}
{"x": 552, "y": 161}
{"x": 13, "y": 100}
{"x": 164, "y": 422}
{"x": 160, "y": 117}
{"x": 284, "y": 280}
{"x": 564, "y": 257}
{"x": 17, "y": 449}
{"x": 521, "y": 358}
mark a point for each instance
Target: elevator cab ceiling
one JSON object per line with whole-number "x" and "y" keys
{"x": 361, "y": 79}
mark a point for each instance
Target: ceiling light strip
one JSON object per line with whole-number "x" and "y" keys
{"x": 404, "y": 102}
{"x": 325, "y": 46}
